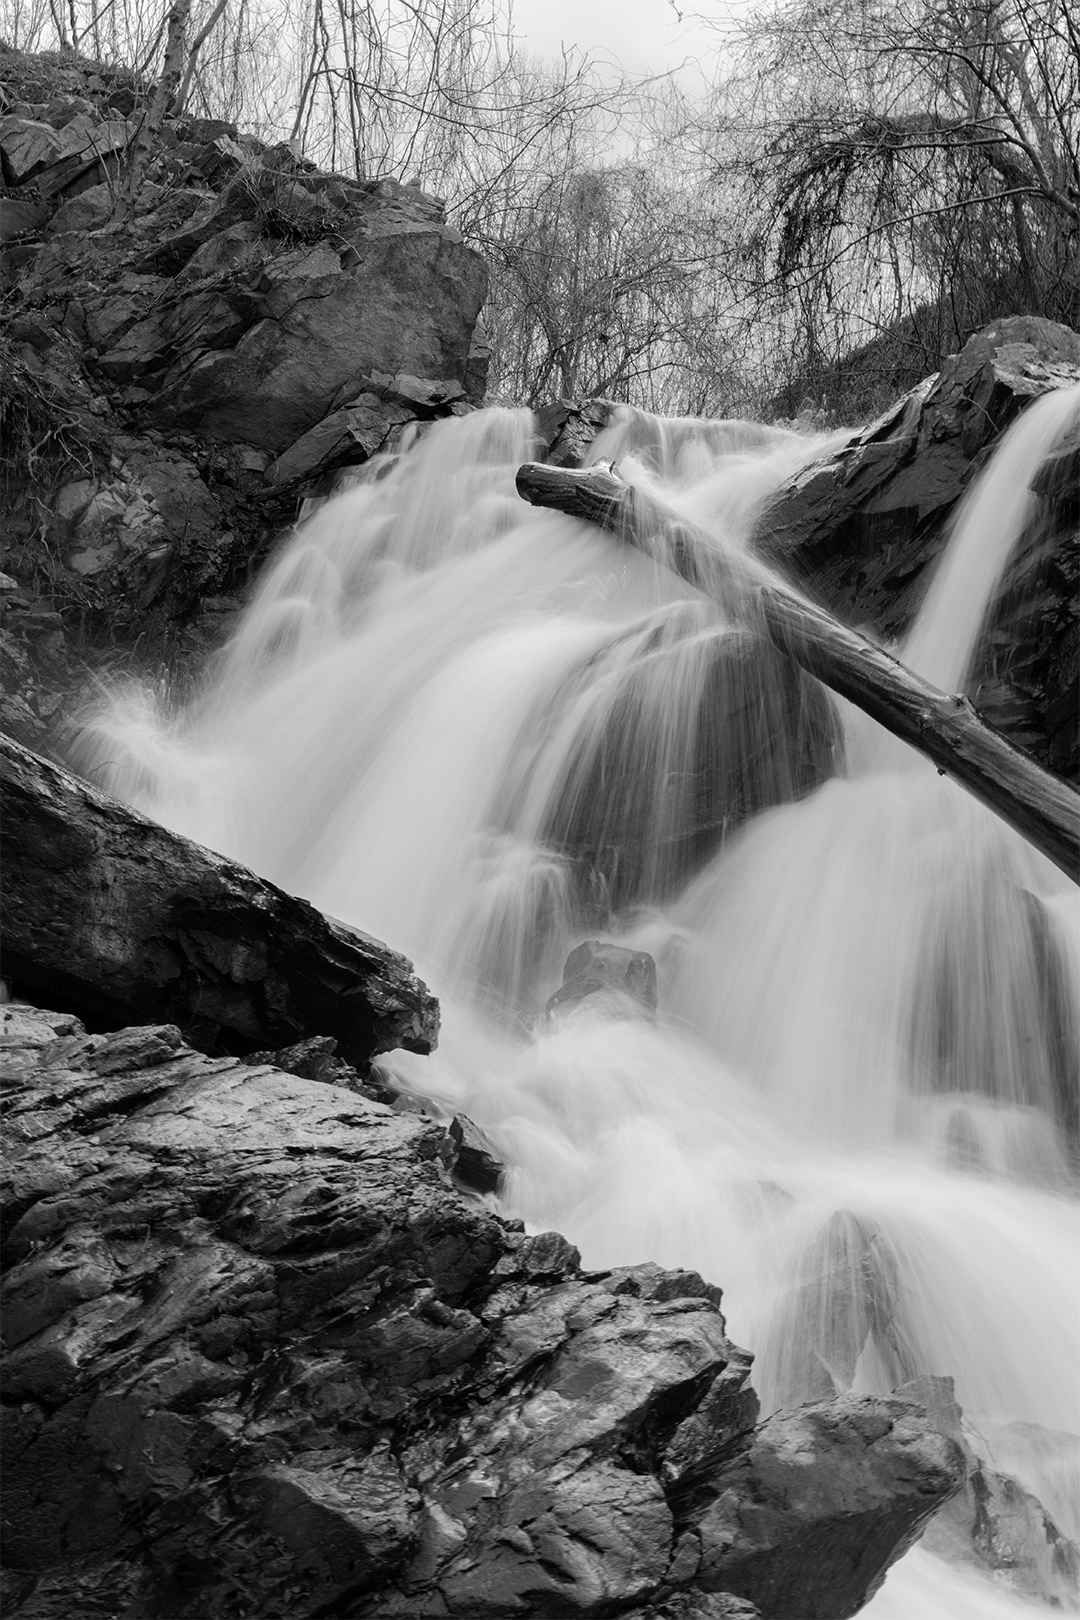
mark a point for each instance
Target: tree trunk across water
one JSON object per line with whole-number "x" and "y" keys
{"x": 943, "y": 726}
{"x": 125, "y": 919}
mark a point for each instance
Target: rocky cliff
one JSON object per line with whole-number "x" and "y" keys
{"x": 179, "y": 370}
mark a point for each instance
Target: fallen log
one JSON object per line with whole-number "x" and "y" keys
{"x": 944, "y": 727}
{"x": 132, "y": 923}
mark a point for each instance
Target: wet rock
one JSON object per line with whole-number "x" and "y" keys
{"x": 994, "y": 1522}
{"x": 345, "y": 1526}
{"x": 245, "y": 1298}
{"x": 313, "y": 1059}
{"x": 567, "y": 429}
{"x": 861, "y": 529}
{"x": 116, "y": 911}
{"x": 845, "y": 1302}
{"x": 698, "y": 1606}
{"x": 476, "y": 1163}
{"x": 609, "y": 971}
{"x": 799, "y": 1522}
{"x": 742, "y": 690}
{"x": 344, "y": 438}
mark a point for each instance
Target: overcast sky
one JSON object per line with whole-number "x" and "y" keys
{"x": 645, "y": 36}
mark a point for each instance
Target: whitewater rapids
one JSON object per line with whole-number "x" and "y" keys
{"x": 486, "y": 733}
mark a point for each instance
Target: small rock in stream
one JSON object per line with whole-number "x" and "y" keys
{"x": 619, "y": 975}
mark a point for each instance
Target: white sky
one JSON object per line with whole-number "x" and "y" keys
{"x": 644, "y": 36}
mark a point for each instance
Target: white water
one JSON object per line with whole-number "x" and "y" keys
{"x": 486, "y": 733}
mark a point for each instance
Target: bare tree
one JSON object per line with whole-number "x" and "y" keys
{"x": 907, "y": 168}
{"x": 164, "y": 92}
{"x": 605, "y": 286}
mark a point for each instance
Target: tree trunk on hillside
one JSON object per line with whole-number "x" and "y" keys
{"x": 946, "y": 728}
{"x": 163, "y": 96}
{"x": 130, "y": 922}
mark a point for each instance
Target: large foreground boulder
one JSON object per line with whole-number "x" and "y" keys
{"x": 112, "y": 911}
{"x": 263, "y": 1354}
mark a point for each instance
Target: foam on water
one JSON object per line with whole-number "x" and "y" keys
{"x": 486, "y": 733}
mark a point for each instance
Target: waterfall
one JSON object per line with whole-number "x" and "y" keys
{"x": 486, "y": 733}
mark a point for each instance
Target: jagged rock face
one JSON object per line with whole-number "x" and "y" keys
{"x": 177, "y": 380}
{"x": 250, "y": 293}
{"x": 861, "y": 529}
{"x": 261, "y": 1349}
{"x": 326, "y": 321}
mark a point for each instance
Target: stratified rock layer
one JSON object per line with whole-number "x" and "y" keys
{"x": 262, "y": 1353}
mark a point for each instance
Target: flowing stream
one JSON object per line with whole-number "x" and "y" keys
{"x": 486, "y": 733}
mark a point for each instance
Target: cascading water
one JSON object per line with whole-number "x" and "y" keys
{"x": 486, "y": 733}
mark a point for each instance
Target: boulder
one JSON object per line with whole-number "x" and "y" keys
{"x": 343, "y": 438}
{"x": 744, "y": 691}
{"x": 567, "y": 429}
{"x": 845, "y": 1303}
{"x": 612, "y": 972}
{"x": 26, "y": 147}
{"x": 407, "y": 304}
{"x": 20, "y": 216}
{"x": 799, "y": 1521}
{"x": 862, "y": 525}
{"x": 84, "y": 212}
{"x": 994, "y": 1522}
{"x": 258, "y": 1343}
{"x": 476, "y": 1163}
{"x": 111, "y": 910}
